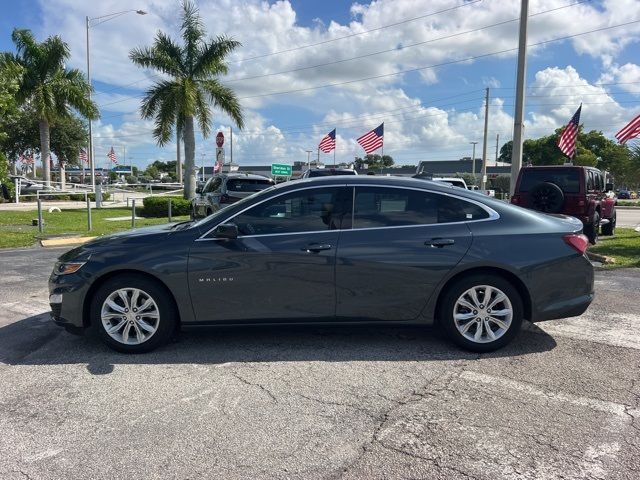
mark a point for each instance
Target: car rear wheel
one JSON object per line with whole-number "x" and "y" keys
{"x": 481, "y": 313}
{"x": 132, "y": 314}
{"x": 591, "y": 230}
{"x": 610, "y": 228}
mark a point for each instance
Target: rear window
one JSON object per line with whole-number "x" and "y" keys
{"x": 567, "y": 180}
{"x": 248, "y": 184}
{"x": 328, "y": 172}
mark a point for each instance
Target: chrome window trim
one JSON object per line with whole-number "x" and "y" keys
{"x": 493, "y": 215}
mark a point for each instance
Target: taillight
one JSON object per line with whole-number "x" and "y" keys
{"x": 577, "y": 241}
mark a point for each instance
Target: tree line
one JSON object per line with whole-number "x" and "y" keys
{"x": 44, "y": 106}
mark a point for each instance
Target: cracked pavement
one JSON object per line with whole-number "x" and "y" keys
{"x": 563, "y": 401}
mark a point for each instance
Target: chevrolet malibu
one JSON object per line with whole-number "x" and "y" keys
{"x": 340, "y": 250}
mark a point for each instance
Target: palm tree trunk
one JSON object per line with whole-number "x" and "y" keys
{"x": 45, "y": 151}
{"x": 189, "y": 159}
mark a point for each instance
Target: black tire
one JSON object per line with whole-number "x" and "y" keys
{"x": 546, "y": 197}
{"x": 448, "y": 323}
{"x": 591, "y": 230}
{"x": 167, "y": 318}
{"x": 610, "y": 228}
{"x": 209, "y": 212}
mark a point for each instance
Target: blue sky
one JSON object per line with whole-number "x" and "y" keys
{"x": 429, "y": 113}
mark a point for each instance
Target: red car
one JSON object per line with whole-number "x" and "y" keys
{"x": 572, "y": 190}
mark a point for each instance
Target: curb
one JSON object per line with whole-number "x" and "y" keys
{"x": 600, "y": 258}
{"x": 64, "y": 242}
{"x": 626, "y": 207}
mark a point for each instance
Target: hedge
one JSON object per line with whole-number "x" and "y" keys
{"x": 159, "y": 206}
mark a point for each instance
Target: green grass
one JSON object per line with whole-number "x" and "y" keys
{"x": 624, "y": 246}
{"x": 629, "y": 203}
{"x": 16, "y": 229}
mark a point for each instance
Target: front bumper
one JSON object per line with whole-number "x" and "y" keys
{"x": 66, "y": 299}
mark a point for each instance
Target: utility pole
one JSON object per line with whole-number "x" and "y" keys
{"x": 483, "y": 180}
{"x": 497, "y": 147}
{"x": 92, "y": 162}
{"x": 473, "y": 159}
{"x": 231, "y": 145}
{"x": 518, "y": 122}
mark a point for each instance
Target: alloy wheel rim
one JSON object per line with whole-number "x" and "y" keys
{"x": 130, "y": 316}
{"x": 483, "y": 314}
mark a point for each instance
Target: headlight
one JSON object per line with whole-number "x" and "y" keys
{"x": 65, "y": 268}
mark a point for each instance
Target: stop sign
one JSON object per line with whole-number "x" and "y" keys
{"x": 220, "y": 139}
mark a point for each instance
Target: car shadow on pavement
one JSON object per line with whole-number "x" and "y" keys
{"x": 37, "y": 341}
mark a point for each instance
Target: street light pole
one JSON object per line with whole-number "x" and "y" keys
{"x": 102, "y": 19}
{"x": 483, "y": 180}
{"x": 308, "y": 159}
{"x": 90, "y": 149}
{"x": 473, "y": 159}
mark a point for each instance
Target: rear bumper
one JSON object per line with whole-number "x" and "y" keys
{"x": 561, "y": 289}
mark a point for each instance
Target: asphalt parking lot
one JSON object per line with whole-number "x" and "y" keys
{"x": 563, "y": 401}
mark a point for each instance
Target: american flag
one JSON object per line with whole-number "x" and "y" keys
{"x": 83, "y": 155}
{"x": 328, "y": 143}
{"x": 112, "y": 156}
{"x": 373, "y": 140}
{"x": 567, "y": 141}
{"x": 631, "y": 130}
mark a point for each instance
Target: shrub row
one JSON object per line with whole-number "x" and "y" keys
{"x": 159, "y": 206}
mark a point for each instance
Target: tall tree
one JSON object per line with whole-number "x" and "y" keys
{"x": 47, "y": 86}
{"x": 193, "y": 68}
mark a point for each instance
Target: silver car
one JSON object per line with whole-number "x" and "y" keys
{"x": 226, "y": 188}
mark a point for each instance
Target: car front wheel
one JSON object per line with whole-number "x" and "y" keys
{"x": 132, "y": 314}
{"x": 592, "y": 230}
{"x": 481, "y": 313}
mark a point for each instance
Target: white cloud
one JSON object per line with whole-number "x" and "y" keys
{"x": 414, "y": 125}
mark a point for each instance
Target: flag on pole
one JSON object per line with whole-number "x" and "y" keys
{"x": 567, "y": 140}
{"x": 373, "y": 140}
{"x": 328, "y": 143}
{"x": 83, "y": 155}
{"x": 112, "y": 156}
{"x": 630, "y": 130}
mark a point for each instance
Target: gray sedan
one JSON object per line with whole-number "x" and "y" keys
{"x": 342, "y": 250}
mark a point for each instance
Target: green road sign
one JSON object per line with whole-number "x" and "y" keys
{"x": 281, "y": 170}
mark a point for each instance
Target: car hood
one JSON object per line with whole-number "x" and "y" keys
{"x": 131, "y": 238}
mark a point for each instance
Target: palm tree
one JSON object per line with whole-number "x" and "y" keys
{"x": 192, "y": 87}
{"x": 48, "y": 87}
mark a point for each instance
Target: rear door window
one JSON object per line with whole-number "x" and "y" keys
{"x": 392, "y": 207}
{"x": 247, "y": 184}
{"x": 567, "y": 179}
{"x": 590, "y": 181}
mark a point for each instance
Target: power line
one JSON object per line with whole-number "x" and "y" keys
{"x": 324, "y": 42}
{"x": 451, "y": 62}
{"x": 397, "y": 49}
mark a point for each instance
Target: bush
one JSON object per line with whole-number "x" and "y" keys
{"x": 78, "y": 197}
{"x": 159, "y": 206}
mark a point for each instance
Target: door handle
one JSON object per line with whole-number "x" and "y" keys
{"x": 316, "y": 247}
{"x": 439, "y": 242}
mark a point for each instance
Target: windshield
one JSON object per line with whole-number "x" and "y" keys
{"x": 239, "y": 203}
{"x": 567, "y": 179}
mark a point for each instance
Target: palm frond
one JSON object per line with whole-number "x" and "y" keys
{"x": 166, "y": 118}
{"x": 211, "y": 57}
{"x": 150, "y": 57}
{"x": 192, "y": 32}
{"x": 225, "y": 99}
{"x": 154, "y": 97}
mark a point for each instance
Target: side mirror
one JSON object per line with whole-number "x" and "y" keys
{"x": 609, "y": 187}
{"x": 226, "y": 230}
{"x": 199, "y": 190}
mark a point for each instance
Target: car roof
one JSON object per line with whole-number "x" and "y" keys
{"x": 568, "y": 167}
{"x": 249, "y": 176}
